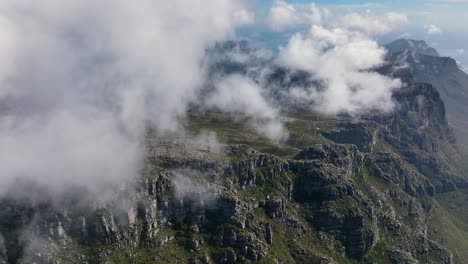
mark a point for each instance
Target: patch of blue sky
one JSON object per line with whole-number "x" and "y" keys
{"x": 448, "y": 15}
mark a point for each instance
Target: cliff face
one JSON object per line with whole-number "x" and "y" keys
{"x": 364, "y": 194}
{"x": 443, "y": 73}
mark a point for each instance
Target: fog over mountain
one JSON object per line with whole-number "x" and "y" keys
{"x": 80, "y": 84}
{"x": 82, "y": 80}
{"x": 155, "y": 131}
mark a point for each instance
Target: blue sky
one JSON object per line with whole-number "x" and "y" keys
{"x": 451, "y": 16}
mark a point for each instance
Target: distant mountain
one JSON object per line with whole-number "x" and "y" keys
{"x": 416, "y": 61}
{"x": 413, "y": 46}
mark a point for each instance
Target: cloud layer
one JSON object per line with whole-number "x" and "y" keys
{"x": 283, "y": 16}
{"x": 432, "y": 30}
{"x": 341, "y": 56}
{"x": 244, "y": 98}
{"x": 80, "y": 80}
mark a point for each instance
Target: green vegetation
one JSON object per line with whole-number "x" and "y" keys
{"x": 378, "y": 254}
{"x": 462, "y": 165}
{"x": 303, "y": 129}
{"x": 456, "y": 203}
{"x": 448, "y": 224}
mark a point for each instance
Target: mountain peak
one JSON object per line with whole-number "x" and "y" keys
{"x": 417, "y": 46}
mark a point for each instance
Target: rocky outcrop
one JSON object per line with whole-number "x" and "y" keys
{"x": 362, "y": 134}
{"x": 418, "y": 120}
{"x": 392, "y": 168}
{"x": 198, "y": 212}
{"x": 354, "y": 228}
{"x": 324, "y": 172}
{"x": 254, "y": 168}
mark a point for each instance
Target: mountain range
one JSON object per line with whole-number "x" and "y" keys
{"x": 382, "y": 188}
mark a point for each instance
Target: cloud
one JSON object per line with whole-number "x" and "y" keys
{"x": 405, "y": 35}
{"x": 82, "y": 79}
{"x": 244, "y": 16}
{"x": 373, "y": 24}
{"x": 67, "y": 147}
{"x": 283, "y": 16}
{"x": 242, "y": 97}
{"x": 432, "y": 30}
{"x": 460, "y": 51}
{"x": 340, "y": 55}
{"x": 190, "y": 184}
{"x": 335, "y": 58}
{"x": 462, "y": 66}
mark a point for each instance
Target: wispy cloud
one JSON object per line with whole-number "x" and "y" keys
{"x": 332, "y": 53}
{"x": 81, "y": 81}
{"x": 432, "y": 30}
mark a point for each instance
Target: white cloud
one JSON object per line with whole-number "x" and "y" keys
{"x": 242, "y": 97}
{"x": 432, "y": 30}
{"x": 462, "y": 67}
{"x": 460, "y": 51}
{"x": 283, "y": 15}
{"x": 374, "y": 24}
{"x": 244, "y": 16}
{"x": 340, "y": 54}
{"x": 342, "y": 61}
{"x": 405, "y": 35}
{"x": 66, "y": 148}
{"x": 81, "y": 79}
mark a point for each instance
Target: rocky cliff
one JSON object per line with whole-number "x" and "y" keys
{"x": 364, "y": 194}
{"x": 420, "y": 63}
{"x": 341, "y": 190}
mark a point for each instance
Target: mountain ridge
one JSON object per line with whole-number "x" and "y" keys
{"x": 447, "y": 78}
{"x": 339, "y": 190}
{"x": 410, "y": 45}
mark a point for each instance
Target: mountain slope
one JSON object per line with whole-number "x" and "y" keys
{"x": 442, "y": 72}
{"x": 379, "y": 189}
{"x": 319, "y": 200}
{"x": 409, "y": 45}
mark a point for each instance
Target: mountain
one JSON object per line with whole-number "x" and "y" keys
{"x": 379, "y": 189}
{"x": 413, "y": 46}
{"x": 320, "y": 199}
{"x": 442, "y": 72}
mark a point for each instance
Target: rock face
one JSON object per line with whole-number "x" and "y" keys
{"x": 419, "y": 118}
{"x": 363, "y": 135}
{"x": 419, "y": 130}
{"x": 443, "y": 73}
{"x": 265, "y": 202}
{"x": 324, "y": 172}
